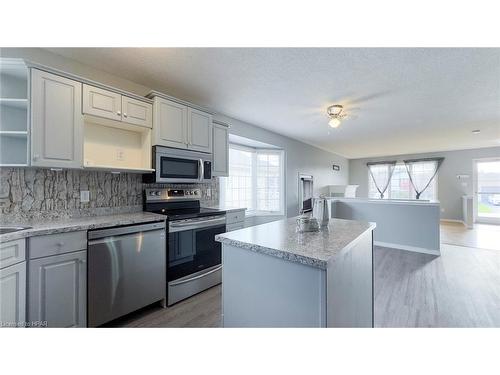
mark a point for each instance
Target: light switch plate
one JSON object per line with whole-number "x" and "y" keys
{"x": 84, "y": 196}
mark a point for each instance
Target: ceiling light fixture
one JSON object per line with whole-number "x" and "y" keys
{"x": 336, "y": 114}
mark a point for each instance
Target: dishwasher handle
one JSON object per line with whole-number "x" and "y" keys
{"x": 118, "y": 231}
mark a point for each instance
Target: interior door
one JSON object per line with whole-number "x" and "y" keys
{"x": 487, "y": 191}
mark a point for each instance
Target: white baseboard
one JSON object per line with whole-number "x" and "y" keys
{"x": 415, "y": 249}
{"x": 453, "y": 221}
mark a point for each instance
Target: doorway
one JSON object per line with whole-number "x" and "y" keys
{"x": 487, "y": 191}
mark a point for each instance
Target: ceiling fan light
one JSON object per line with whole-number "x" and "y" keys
{"x": 335, "y": 109}
{"x": 334, "y": 122}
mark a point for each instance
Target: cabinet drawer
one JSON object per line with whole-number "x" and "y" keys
{"x": 235, "y": 226}
{"x": 12, "y": 252}
{"x": 235, "y": 217}
{"x": 54, "y": 244}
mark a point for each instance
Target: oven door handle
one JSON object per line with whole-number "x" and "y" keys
{"x": 195, "y": 277}
{"x": 197, "y": 224}
{"x": 202, "y": 170}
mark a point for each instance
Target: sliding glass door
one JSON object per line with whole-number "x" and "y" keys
{"x": 487, "y": 191}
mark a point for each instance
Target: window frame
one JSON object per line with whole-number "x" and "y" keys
{"x": 282, "y": 186}
{"x": 389, "y": 193}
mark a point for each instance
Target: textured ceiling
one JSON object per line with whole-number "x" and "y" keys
{"x": 401, "y": 100}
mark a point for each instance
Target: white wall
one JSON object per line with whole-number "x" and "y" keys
{"x": 450, "y": 189}
{"x": 300, "y": 157}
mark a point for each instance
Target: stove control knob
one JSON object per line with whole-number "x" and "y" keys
{"x": 195, "y": 192}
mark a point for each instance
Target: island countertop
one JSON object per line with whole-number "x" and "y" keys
{"x": 280, "y": 239}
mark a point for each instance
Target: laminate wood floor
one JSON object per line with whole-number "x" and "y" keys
{"x": 460, "y": 288}
{"x": 483, "y": 236}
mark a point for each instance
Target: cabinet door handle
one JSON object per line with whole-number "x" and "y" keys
{"x": 60, "y": 244}
{"x": 124, "y": 115}
{"x": 36, "y": 156}
{"x": 119, "y": 113}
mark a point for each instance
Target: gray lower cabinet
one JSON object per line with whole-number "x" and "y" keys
{"x": 58, "y": 290}
{"x": 13, "y": 295}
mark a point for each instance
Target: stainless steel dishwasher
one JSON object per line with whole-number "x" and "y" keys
{"x": 126, "y": 270}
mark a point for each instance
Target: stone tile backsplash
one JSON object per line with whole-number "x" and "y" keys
{"x": 27, "y": 193}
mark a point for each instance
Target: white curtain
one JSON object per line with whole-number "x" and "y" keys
{"x": 422, "y": 172}
{"x": 381, "y": 173}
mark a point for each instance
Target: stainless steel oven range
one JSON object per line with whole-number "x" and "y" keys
{"x": 193, "y": 256}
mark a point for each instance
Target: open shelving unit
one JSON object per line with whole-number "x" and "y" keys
{"x": 14, "y": 113}
{"x": 116, "y": 146}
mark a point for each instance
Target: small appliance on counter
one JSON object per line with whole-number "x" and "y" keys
{"x": 307, "y": 223}
{"x": 321, "y": 211}
{"x": 193, "y": 256}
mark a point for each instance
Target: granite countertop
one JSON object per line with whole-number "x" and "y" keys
{"x": 280, "y": 239}
{"x": 222, "y": 207}
{"x": 47, "y": 226}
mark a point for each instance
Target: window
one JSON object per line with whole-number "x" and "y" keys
{"x": 400, "y": 186}
{"x": 256, "y": 180}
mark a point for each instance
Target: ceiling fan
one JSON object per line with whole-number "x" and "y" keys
{"x": 336, "y": 114}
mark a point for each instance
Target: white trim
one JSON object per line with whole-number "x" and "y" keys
{"x": 453, "y": 221}
{"x": 407, "y": 248}
{"x": 476, "y": 218}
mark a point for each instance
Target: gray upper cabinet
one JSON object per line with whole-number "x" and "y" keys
{"x": 199, "y": 130}
{"x": 220, "y": 165}
{"x": 58, "y": 290}
{"x": 114, "y": 106}
{"x": 57, "y": 122}
{"x": 13, "y": 295}
{"x": 136, "y": 112}
{"x": 180, "y": 126}
{"x": 102, "y": 103}
{"x": 169, "y": 123}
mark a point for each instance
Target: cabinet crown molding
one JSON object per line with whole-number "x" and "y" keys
{"x": 154, "y": 93}
{"x": 87, "y": 81}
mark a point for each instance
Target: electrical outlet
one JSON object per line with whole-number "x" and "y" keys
{"x": 84, "y": 196}
{"x": 119, "y": 154}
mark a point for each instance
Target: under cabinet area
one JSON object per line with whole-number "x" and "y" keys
{"x": 179, "y": 125}
{"x": 116, "y": 146}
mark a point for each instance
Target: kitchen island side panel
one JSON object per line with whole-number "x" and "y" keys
{"x": 350, "y": 285}
{"x": 259, "y": 290}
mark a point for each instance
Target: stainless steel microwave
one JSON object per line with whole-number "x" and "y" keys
{"x": 173, "y": 165}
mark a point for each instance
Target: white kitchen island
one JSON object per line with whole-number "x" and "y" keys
{"x": 275, "y": 277}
